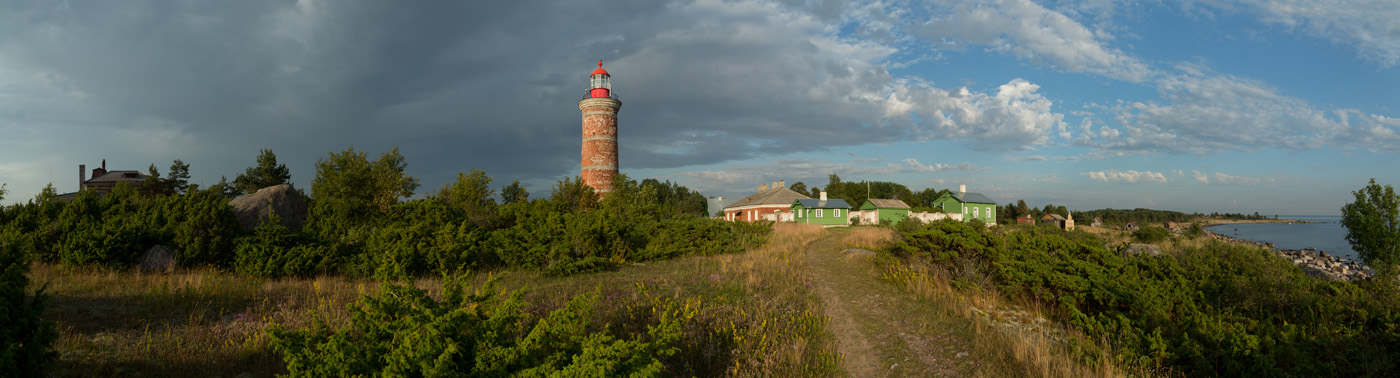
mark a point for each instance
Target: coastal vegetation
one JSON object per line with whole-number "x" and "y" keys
{"x": 360, "y": 228}
{"x": 1217, "y": 309}
{"x": 1373, "y": 227}
{"x": 640, "y": 283}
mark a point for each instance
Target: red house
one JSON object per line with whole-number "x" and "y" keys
{"x": 769, "y": 200}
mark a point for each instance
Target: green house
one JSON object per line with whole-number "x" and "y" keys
{"x": 833, "y": 212}
{"x": 970, "y": 205}
{"x": 887, "y": 210}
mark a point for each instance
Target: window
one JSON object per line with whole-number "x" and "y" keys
{"x": 799, "y": 213}
{"x": 819, "y": 213}
{"x": 974, "y": 212}
{"x": 836, "y": 213}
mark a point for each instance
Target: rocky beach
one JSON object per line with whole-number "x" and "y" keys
{"x": 1315, "y": 263}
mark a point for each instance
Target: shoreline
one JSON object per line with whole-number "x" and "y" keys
{"x": 1317, "y": 264}
{"x": 1207, "y": 222}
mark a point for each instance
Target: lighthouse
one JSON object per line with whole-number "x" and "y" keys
{"x": 599, "y": 108}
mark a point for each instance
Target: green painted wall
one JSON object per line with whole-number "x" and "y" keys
{"x": 984, "y": 211}
{"x": 828, "y": 216}
{"x": 948, "y": 204}
{"x": 886, "y": 215}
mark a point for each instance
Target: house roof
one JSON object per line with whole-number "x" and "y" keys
{"x": 887, "y": 203}
{"x": 115, "y": 176}
{"x": 714, "y": 205}
{"x": 777, "y": 197}
{"x": 970, "y": 197}
{"x": 1053, "y": 216}
{"x": 812, "y": 203}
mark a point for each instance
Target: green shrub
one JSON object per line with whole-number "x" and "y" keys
{"x": 1225, "y": 310}
{"x": 476, "y": 333}
{"x": 275, "y": 251}
{"x": 1150, "y": 234}
{"x": 25, "y": 337}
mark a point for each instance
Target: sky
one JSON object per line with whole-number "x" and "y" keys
{"x": 1276, "y": 107}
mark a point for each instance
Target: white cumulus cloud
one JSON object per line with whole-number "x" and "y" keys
{"x": 1033, "y": 33}
{"x": 920, "y": 167}
{"x": 1220, "y": 178}
{"x": 1127, "y": 177}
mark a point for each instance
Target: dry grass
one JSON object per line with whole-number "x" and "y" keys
{"x": 870, "y": 238}
{"x": 188, "y": 323}
{"x": 787, "y": 336}
{"x": 1017, "y": 334}
{"x": 756, "y": 315}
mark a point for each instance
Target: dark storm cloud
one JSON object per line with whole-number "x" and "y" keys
{"x": 457, "y": 85}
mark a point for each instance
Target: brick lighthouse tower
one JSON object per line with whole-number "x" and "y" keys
{"x": 599, "y": 107}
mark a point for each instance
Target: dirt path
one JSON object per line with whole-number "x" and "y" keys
{"x": 881, "y": 330}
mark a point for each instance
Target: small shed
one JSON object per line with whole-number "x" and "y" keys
{"x": 887, "y": 210}
{"x": 823, "y": 211}
{"x": 1097, "y": 222}
{"x": 1025, "y": 219}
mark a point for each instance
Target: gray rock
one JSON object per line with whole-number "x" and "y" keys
{"x": 158, "y": 259}
{"x": 1142, "y": 249}
{"x": 1316, "y": 272}
{"x": 281, "y": 200}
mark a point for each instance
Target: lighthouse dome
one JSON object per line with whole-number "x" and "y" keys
{"x": 600, "y": 70}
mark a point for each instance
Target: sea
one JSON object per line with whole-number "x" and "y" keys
{"x": 1325, "y": 235}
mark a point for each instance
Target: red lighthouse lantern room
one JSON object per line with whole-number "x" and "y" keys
{"x": 598, "y": 83}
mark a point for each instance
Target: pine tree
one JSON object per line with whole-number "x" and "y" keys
{"x": 266, "y": 173}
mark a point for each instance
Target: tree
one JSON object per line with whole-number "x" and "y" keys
{"x": 266, "y": 173}
{"x": 799, "y": 187}
{"x": 350, "y": 179}
{"x": 833, "y": 187}
{"x": 225, "y": 188}
{"x": 1373, "y": 226}
{"x": 2, "y": 192}
{"x": 574, "y": 193}
{"x": 178, "y": 180}
{"x": 47, "y": 196}
{"x": 514, "y": 193}
{"x": 154, "y": 185}
{"x": 472, "y": 194}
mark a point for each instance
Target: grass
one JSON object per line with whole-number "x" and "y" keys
{"x": 188, "y": 323}
{"x": 756, "y": 314}
{"x": 1014, "y": 337}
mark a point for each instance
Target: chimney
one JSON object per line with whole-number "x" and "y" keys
{"x": 782, "y": 183}
{"x": 775, "y": 185}
{"x": 104, "y": 165}
{"x": 962, "y": 188}
{"x": 82, "y": 175}
{"x": 823, "y": 196}
{"x": 762, "y": 187}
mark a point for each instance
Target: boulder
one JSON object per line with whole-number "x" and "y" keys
{"x": 158, "y": 259}
{"x": 281, "y": 200}
{"x": 1316, "y": 272}
{"x": 1142, "y": 249}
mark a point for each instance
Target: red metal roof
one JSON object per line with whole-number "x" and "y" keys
{"x": 600, "y": 70}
